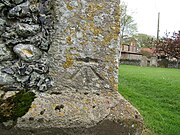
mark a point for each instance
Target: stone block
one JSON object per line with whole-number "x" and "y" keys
{"x": 85, "y": 48}
{"x": 105, "y": 113}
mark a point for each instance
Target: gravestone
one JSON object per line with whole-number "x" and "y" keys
{"x": 59, "y": 69}
{"x": 153, "y": 62}
{"x": 144, "y": 61}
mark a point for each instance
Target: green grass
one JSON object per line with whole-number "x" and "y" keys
{"x": 155, "y": 92}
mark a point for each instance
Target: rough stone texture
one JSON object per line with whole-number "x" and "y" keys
{"x": 5, "y": 53}
{"x": 25, "y": 30}
{"x": 5, "y": 79}
{"x": 85, "y": 47}
{"x": 9, "y": 94}
{"x": 130, "y": 62}
{"x": 70, "y": 113}
{"x": 66, "y": 52}
{"x": 27, "y": 53}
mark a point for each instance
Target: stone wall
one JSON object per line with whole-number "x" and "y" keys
{"x": 153, "y": 62}
{"x": 173, "y": 64}
{"x": 168, "y": 64}
{"x": 26, "y": 27}
{"x": 130, "y": 62}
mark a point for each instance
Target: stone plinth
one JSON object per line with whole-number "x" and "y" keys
{"x": 78, "y": 113}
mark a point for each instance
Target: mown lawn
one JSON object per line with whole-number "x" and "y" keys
{"x": 155, "y": 92}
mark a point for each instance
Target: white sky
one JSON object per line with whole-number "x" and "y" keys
{"x": 146, "y": 14}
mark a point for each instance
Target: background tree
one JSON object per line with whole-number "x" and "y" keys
{"x": 128, "y": 25}
{"x": 169, "y": 46}
{"x": 144, "y": 40}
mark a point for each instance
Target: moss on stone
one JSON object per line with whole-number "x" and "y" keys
{"x": 15, "y": 106}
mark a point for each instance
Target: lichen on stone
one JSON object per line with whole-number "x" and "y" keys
{"x": 69, "y": 40}
{"x": 69, "y": 61}
{"x": 15, "y": 106}
{"x": 69, "y": 7}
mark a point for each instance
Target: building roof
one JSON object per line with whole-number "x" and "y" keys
{"x": 149, "y": 50}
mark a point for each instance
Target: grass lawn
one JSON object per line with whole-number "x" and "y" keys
{"x": 155, "y": 92}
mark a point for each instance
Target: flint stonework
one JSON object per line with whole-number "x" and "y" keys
{"x": 59, "y": 69}
{"x": 25, "y": 40}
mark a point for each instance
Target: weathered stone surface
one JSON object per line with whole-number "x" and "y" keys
{"x": 1, "y": 93}
{"x": 6, "y": 79}
{"x": 26, "y": 30}
{"x": 26, "y": 27}
{"x": 9, "y": 94}
{"x": 85, "y": 47}
{"x": 1, "y": 6}
{"x": 27, "y": 53}
{"x": 5, "y": 54}
{"x": 144, "y": 61}
{"x": 17, "y": 1}
{"x": 21, "y": 10}
{"x": 6, "y": 2}
{"x": 29, "y": 75}
{"x": 79, "y": 113}
{"x": 153, "y": 62}
{"x": 2, "y": 25}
